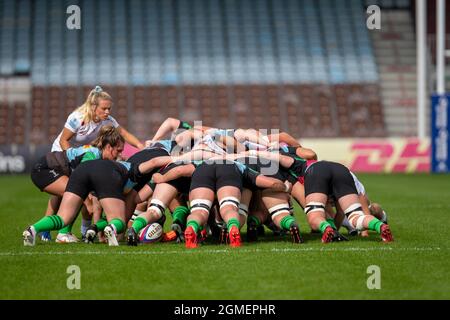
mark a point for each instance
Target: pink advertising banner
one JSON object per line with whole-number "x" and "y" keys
{"x": 375, "y": 155}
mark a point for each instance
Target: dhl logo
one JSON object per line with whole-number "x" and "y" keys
{"x": 409, "y": 155}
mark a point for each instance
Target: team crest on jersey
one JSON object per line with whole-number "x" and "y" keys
{"x": 83, "y": 130}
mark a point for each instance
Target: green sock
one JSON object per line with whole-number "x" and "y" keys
{"x": 119, "y": 224}
{"x": 331, "y": 222}
{"x": 101, "y": 224}
{"x": 66, "y": 229}
{"x": 375, "y": 225}
{"x": 179, "y": 215}
{"x": 287, "y": 222}
{"x": 194, "y": 224}
{"x": 323, "y": 226}
{"x": 48, "y": 223}
{"x": 255, "y": 220}
{"x": 139, "y": 224}
{"x": 232, "y": 222}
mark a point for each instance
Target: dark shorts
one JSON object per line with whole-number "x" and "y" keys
{"x": 182, "y": 184}
{"x": 330, "y": 178}
{"x": 42, "y": 175}
{"x": 142, "y": 156}
{"x": 106, "y": 178}
{"x": 215, "y": 176}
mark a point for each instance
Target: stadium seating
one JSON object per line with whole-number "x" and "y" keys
{"x": 264, "y": 64}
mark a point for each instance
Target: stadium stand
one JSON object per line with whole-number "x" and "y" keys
{"x": 309, "y": 67}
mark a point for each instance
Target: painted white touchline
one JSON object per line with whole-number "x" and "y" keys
{"x": 219, "y": 251}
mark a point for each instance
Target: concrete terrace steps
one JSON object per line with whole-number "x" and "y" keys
{"x": 395, "y": 52}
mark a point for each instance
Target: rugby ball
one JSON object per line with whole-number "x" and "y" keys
{"x": 151, "y": 233}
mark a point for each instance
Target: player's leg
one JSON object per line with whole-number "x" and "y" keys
{"x": 86, "y": 216}
{"x": 257, "y": 216}
{"x": 115, "y": 213}
{"x": 352, "y": 209}
{"x": 201, "y": 200}
{"x": 163, "y": 194}
{"x": 99, "y": 219}
{"x": 344, "y": 189}
{"x": 68, "y": 209}
{"x": 277, "y": 204}
{"x": 180, "y": 212}
{"x": 229, "y": 198}
{"x": 315, "y": 215}
{"x": 57, "y": 188}
{"x": 246, "y": 197}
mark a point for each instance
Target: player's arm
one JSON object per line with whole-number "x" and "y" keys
{"x": 168, "y": 126}
{"x": 228, "y": 156}
{"x": 130, "y": 138}
{"x": 96, "y": 208}
{"x": 284, "y": 161}
{"x": 265, "y": 182}
{"x": 181, "y": 171}
{"x": 148, "y": 166}
{"x": 65, "y": 138}
{"x": 306, "y": 153}
{"x": 365, "y": 208}
{"x": 189, "y": 156}
{"x": 364, "y": 203}
{"x": 202, "y": 128}
{"x": 251, "y": 135}
{"x": 184, "y": 138}
{"x": 284, "y": 137}
{"x": 229, "y": 143}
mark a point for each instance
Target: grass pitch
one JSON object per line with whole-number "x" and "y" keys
{"x": 415, "y": 266}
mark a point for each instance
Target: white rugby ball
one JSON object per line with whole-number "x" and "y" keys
{"x": 151, "y": 233}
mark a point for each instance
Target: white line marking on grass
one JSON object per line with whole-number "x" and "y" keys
{"x": 355, "y": 249}
{"x": 221, "y": 251}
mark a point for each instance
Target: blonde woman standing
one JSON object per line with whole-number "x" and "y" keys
{"x": 81, "y": 128}
{"x": 82, "y": 125}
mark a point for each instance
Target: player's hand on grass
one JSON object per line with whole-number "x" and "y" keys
{"x": 364, "y": 233}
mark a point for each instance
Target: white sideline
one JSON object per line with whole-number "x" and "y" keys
{"x": 200, "y": 251}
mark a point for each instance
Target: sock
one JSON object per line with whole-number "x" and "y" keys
{"x": 119, "y": 224}
{"x": 136, "y": 214}
{"x": 66, "y": 229}
{"x": 331, "y": 222}
{"x": 232, "y": 222}
{"x": 347, "y": 224}
{"x": 323, "y": 226}
{"x": 101, "y": 224}
{"x": 287, "y": 222}
{"x": 139, "y": 224}
{"x": 48, "y": 223}
{"x": 179, "y": 215}
{"x": 255, "y": 220}
{"x": 375, "y": 225}
{"x": 85, "y": 225}
{"x": 194, "y": 224}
